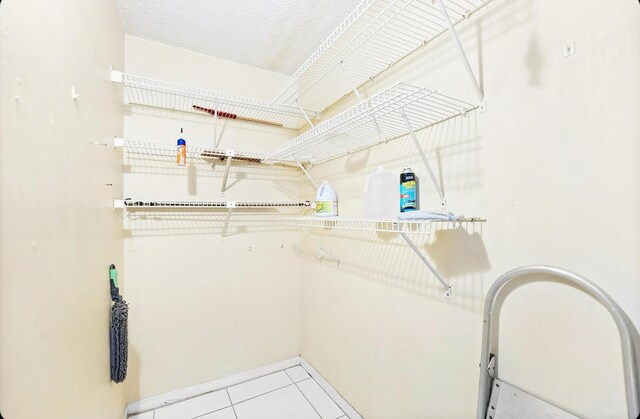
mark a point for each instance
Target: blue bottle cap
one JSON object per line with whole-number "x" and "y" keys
{"x": 181, "y": 142}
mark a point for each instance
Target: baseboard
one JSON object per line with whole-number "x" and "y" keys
{"x": 175, "y": 396}
{"x": 335, "y": 396}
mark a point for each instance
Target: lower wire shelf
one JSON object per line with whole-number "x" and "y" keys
{"x": 423, "y": 227}
{"x": 402, "y": 227}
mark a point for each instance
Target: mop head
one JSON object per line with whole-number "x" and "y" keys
{"x": 118, "y": 340}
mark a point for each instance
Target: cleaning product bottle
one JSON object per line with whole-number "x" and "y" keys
{"x": 408, "y": 190}
{"x": 380, "y": 195}
{"x": 181, "y": 156}
{"x": 326, "y": 201}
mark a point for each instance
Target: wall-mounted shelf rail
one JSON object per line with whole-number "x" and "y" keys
{"x": 161, "y": 94}
{"x": 375, "y": 36}
{"x": 229, "y": 206}
{"x": 137, "y": 204}
{"x": 402, "y": 227}
{"x": 378, "y": 119}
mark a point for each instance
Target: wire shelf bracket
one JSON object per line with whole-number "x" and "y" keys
{"x": 447, "y": 288}
{"x": 462, "y": 55}
{"x": 412, "y": 133}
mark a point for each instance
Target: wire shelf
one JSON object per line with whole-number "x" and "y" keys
{"x": 168, "y": 151}
{"x": 375, "y": 36}
{"x": 422, "y": 227}
{"x": 136, "y": 204}
{"x": 161, "y": 94}
{"x": 376, "y": 120}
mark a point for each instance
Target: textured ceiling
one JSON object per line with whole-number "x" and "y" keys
{"x": 276, "y": 35}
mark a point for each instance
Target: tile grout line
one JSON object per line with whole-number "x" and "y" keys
{"x": 308, "y": 401}
{"x": 270, "y": 391}
{"x": 217, "y": 410}
{"x": 328, "y": 395}
{"x": 334, "y": 402}
{"x": 232, "y": 408}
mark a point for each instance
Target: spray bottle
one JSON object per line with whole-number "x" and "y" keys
{"x": 181, "y": 156}
{"x": 408, "y": 201}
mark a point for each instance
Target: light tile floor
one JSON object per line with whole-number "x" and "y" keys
{"x": 286, "y": 394}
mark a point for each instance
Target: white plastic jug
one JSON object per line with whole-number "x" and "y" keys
{"x": 326, "y": 201}
{"x": 380, "y": 195}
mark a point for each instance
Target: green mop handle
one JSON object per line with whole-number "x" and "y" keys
{"x": 113, "y": 281}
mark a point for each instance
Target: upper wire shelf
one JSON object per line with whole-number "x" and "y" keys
{"x": 168, "y": 151}
{"x": 161, "y": 94}
{"x": 375, "y": 36}
{"x": 421, "y": 227}
{"x": 376, "y": 120}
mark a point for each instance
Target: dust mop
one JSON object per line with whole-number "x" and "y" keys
{"x": 118, "y": 332}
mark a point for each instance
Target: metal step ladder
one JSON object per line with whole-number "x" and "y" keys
{"x": 500, "y": 400}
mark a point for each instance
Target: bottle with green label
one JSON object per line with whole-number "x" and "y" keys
{"x": 326, "y": 201}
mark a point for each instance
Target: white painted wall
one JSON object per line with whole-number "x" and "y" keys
{"x": 58, "y": 232}
{"x": 553, "y": 165}
{"x": 202, "y": 308}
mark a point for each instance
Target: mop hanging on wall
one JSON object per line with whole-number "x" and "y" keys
{"x": 118, "y": 349}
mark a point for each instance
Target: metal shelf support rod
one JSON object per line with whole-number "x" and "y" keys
{"x": 445, "y": 285}
{"x": 226, "y": 222}
{"x": 423, "y": 157}
{"x": 230, "y": 154}
{"x": 305, "y": 115}
{"x": 313, "y": 182}
{"x": 462, "y": 54}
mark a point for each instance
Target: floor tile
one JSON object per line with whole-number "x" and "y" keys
{"x": 258, "y": 386}
{"x": 226, "y": 413}
{"x": 286, "y": 403}
{"x": 297, "y": 373}
{"x": 145, "y": 415}
{"x": 196, "y": 406}
{"x": 327, "y": 408}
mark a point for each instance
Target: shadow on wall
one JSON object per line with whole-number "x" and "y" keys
{"x": 172, "y": 222}
{"x": 458, "y": 254}
{"x": 132, "y": 382}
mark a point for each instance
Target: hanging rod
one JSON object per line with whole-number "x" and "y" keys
{"x": 134, "y": 204}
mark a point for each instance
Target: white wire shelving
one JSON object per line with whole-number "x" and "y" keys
{"x": 160, "y": 204}
{"x": 162, "y": 94}
{"x": 401, "y": 227}
{"x": 375, "y": 36}
{"x": 392, "y": 113}
{"x": 168, "y": 151}
{"x": 420, "y": 227}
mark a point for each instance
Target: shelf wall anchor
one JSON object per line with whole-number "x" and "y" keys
{"x": 462, "y": 55}
{"x": 432, "y": 175}
{"x": 445, "y": 285}
{"x": 323, "y": 252}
